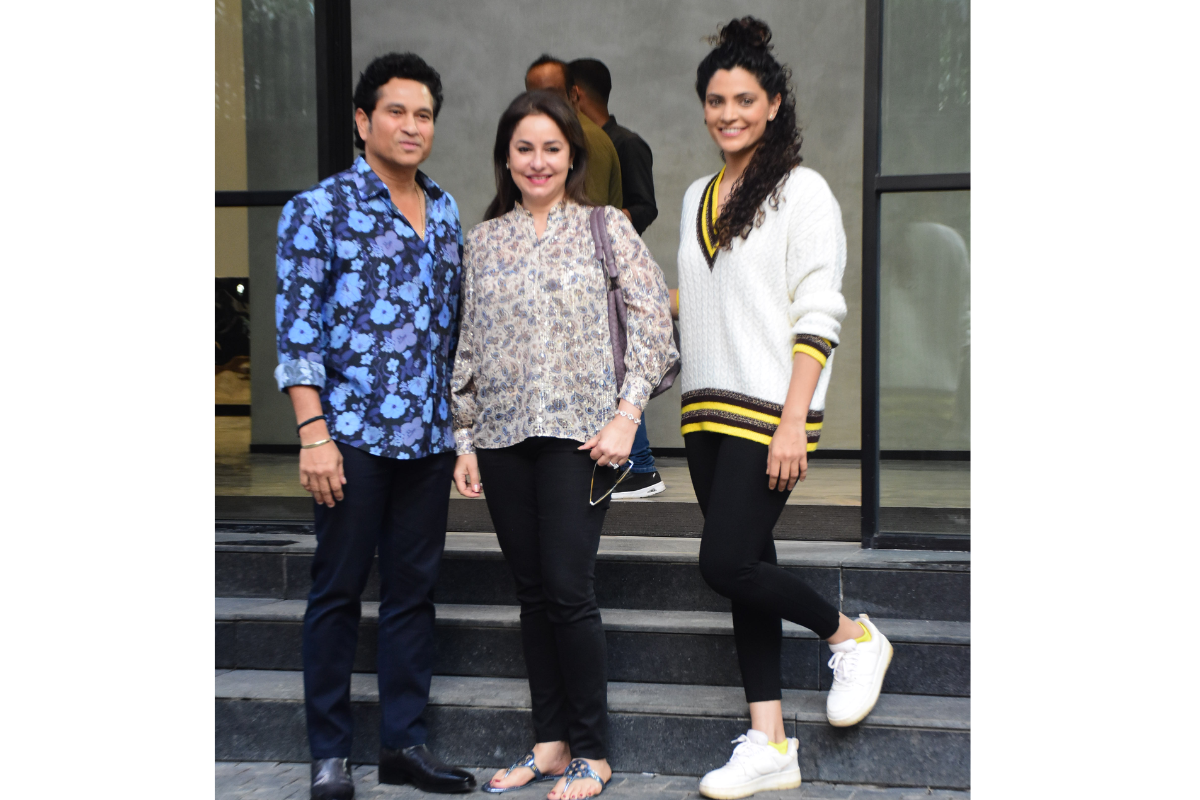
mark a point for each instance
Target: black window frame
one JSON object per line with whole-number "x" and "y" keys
{"x": 875, "y": 185}
{"x": 335, "y": 96}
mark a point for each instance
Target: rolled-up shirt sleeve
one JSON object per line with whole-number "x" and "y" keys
{"x": 463, "y": 404}
{"x": 650, "y": 347}
{"x": 302, "y": 264}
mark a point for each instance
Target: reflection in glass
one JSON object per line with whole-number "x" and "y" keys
{"x": 925, "y": 325}
{"x": 266, "y": 95}
{"x": 245, "y": 329}
{"x": 233, "y": 341}
{"x": 231, "y": 98}
{"x": 925, "y": 359}
{"x": 926, "y": 89}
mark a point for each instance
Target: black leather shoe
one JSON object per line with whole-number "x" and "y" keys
{"x": 331, "y": 779}
{"x": 416, "y": 765}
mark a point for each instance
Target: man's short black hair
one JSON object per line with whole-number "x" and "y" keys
{"x": 593, "y": 77}
{"x": 546, "y": 58}
{"x": 394, "y": 65}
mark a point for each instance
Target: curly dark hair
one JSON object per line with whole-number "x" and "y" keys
{"x": 746, "y": 43}
{"x": 382, "y": 70}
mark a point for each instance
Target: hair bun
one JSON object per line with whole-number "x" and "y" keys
{"x": 745, "y": 32}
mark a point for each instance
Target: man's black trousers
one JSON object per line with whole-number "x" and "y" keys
{"x": 398, "y": 507}
{"x": 537, "y": 493}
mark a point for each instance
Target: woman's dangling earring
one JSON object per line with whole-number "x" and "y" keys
{"x": 506, "y": 166}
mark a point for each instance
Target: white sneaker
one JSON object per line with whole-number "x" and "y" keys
{"x": 858, "y": 670}
{"x": 754, "y": 767}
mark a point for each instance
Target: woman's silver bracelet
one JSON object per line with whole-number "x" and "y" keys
{"x": 627, "y": 415}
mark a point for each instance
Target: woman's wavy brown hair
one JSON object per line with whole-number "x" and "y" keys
{"x": 746, "y": 43}
{"x": 527, "y": 104}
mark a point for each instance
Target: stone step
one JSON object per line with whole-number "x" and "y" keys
{"x": 632, "y": 572}
{"x": 272, "y": 780}
{"x": 647, "y": 517}
{"x": 667, "y": 729}
{"x": 681, "y": 647}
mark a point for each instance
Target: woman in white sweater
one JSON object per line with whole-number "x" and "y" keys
{"x": 761, "y": 257}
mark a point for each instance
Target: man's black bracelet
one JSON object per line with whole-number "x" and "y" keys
{"x": 314, "y": 419}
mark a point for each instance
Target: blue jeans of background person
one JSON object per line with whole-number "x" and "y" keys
{"x": 398, "y": 506}
{"x": 642, "y": 458}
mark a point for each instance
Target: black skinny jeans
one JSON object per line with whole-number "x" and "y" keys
{"x": 737, "y": 556}
{"x": 537, "y": 493}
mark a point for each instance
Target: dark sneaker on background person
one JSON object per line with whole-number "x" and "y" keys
{"x": 639, "y": 484}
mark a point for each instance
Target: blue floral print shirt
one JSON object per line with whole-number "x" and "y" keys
{"x": 367, "y": 312}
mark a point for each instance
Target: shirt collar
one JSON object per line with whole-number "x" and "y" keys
{"x": 557, "y": 215}
{"x": 370, "y": 185}
{"x": 559, "y": 209}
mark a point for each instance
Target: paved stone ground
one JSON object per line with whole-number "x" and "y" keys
{"x": 255, "y": 780}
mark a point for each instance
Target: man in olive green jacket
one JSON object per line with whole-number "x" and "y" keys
{"x": 604, "y": 168}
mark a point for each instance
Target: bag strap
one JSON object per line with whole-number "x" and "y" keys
{"x": 616, "y": 306}
{"x": 616, "y": 303}
{"x": 604, "y": 250}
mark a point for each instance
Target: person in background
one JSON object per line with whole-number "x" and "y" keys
{"x": 538, "y": 414}
{"x": 369, "y": 266}
{"x": 592, "y": 86}
{"x": 603, "y": 178}
{"x": 762, "y": 253}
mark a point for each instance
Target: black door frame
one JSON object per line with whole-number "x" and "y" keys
{"x": 875, "y": 186}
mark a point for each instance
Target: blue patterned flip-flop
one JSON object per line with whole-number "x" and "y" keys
{"x": 527, "y": 762}
{"x": 579, "y": 769}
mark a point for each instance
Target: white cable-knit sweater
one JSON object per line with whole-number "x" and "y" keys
{"x": 772, "y": 295}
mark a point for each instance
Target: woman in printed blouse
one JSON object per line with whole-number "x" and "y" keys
{"x": 761, "y": 257}
{"x": 537, "y": 410}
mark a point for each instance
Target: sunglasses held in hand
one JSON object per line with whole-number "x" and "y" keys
{"x": 619, "y": 476}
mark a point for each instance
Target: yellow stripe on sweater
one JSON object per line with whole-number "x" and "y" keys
{"x": 743, "y": 412}
{"x": 715, "y": 190}
{"x": 732, "y": 409}
{"x": 717, "y": 427}
{"x": 729, "y": 430}
{"x": 808, "y": 349}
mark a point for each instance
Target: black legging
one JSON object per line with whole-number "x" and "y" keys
{"x": 737, "y": 556}
{"x": 537, "y": 493}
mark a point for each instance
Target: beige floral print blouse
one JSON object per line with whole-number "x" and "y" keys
{"x": 534, "y": 355}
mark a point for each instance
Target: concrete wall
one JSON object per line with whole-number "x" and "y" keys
{"x": 652, "y": 48}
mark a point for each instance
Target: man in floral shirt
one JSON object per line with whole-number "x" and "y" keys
{"x": 369, "y": 267}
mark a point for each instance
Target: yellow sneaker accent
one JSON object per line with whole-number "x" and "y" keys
{"x": 866, "y": 637}
{"x": 780, "y": 746}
